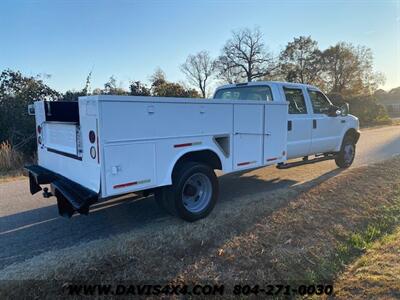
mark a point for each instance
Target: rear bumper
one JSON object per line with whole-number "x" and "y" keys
{"x": 71, "y": 196}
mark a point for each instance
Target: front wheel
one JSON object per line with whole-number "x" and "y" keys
{"x": 193, "y": 193}
{"x": 345, "y": 157}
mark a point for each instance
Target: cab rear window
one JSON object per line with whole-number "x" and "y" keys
{"x": 259, "y": 93}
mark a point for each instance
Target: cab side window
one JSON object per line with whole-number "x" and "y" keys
{"x": 295, "y": 97}
{"x": 320, "y": 103}
{"x": 259, "y": 93}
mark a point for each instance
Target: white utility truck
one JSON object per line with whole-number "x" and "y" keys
{"x": 106, "y": 146}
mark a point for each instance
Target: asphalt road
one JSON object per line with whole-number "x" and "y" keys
{"x": 30, "y": 225}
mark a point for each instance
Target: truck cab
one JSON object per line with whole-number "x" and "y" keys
{"x": 315, "y": 126}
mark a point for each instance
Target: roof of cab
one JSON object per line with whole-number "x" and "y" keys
{"x": 278, "y": 83}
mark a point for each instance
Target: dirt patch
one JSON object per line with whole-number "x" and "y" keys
{"x": 287, "y": 235}
{"x": 12, "y": 176}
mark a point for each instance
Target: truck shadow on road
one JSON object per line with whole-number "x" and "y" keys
{"x": 27, "y": 234}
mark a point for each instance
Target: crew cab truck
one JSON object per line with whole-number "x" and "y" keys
{"x": 105, "y": 146}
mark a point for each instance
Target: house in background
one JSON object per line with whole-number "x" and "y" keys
{"x": 391, "y": 101}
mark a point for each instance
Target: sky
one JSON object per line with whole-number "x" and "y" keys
{"x": 130, "y": 39}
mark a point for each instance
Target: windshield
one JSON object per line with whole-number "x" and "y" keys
{"x": 261, "y": 93}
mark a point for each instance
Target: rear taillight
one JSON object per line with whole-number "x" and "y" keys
{"x": 39, "y": 129}
{"x": 92, "y": 136}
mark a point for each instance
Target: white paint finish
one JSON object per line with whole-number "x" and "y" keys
{"x": 248, "y": 136}
{"x": 166, "y": 120}
{"x": 275, "y": 134}
{"x": 328, "y": 133}
{"x": 137, "y": 137}
{"x": 127, "y": 164}
{"x": 61, "y": 137}
{"x": 299, "y": 138}
{"x": 86, "y": 171}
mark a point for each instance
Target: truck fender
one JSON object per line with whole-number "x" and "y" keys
{"x": 180, "y": 155}
{"x": 349, "y": 132}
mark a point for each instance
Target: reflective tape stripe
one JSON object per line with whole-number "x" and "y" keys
{"x": 122, "y": 185}
{"x": 246, "y": 163}
{"x": 187, "y": 144}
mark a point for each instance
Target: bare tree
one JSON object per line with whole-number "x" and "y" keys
{"x": 244, "y": 56}
{"x": 198, "y": 69}
{"x": 228, "y": 75}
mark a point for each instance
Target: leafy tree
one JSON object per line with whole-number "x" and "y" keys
{"x": 301, "y": 61}
{"x": 162, "y": 88}
{"x": 16, "y": 93}
{"x": 139, "y": 89}
{"x": 244, "y": 56}
{"x": 198, "y": 69}
{"x": 110, "y": 88}
{"x": 348, "y": 70}
{"x": 72, "y": 95}
{"x": 365, "y": 107}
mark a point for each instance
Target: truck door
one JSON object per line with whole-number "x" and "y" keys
{"x": 299, "y": 123}
{"x": 248, "y": 136}
{"x": 327, "y": 131}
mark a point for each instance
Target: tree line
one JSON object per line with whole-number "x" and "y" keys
{"x": 343, "y": 71}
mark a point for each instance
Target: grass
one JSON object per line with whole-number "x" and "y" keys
{"x": 306, "y": 234}
{"x": 10, "y": 159}
{"x": 11, "y": 163}
{"x": 357, "y": 245}
{"x": 376, "y": 273}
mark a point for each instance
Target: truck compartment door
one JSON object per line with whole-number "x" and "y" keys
{"x": 275, "y": 134}
{"x": 129, "y": 167}
{"x": 248, "y": 136}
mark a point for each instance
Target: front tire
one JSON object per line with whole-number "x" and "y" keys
{"x": 193, "y": 193}
{"x": 345, "y": 157}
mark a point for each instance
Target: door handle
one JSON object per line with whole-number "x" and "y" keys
{"x": 289, "y": 125}
{"x": 150, "y": 109}
{"x": 314, "y": 124}
{"x": 343, "y": 121}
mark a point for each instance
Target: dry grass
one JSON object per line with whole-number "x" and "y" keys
{"x": 376, "y": 273}
{"x": 288, "y": 235}
{"x": 10, "y": 159}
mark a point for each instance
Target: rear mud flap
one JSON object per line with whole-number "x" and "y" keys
{"x": 72, "y": 199}
{"x": 34, "y": 187}
{"x": 66, "y": 209}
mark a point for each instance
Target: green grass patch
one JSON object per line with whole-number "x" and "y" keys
{"x": 378, "y": 229}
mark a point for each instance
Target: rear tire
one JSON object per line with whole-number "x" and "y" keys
{"x": 345, "y": 157}
{"x": 193, "y": 193}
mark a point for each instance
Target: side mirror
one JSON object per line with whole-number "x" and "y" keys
{"x": 31, "y": 109}
{"x": 334, "y": 111}
{"x": 345, "y": 109}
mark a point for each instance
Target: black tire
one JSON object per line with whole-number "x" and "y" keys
{"x": 171, "y": 198}
{"x": 345, "y": 156}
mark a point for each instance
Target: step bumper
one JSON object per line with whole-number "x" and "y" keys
{"x": 71, "y": 196}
